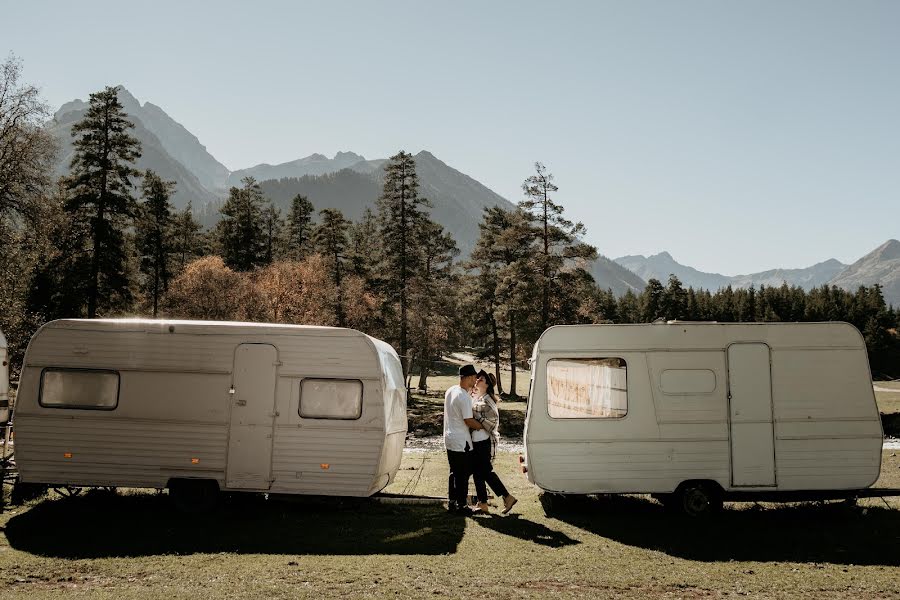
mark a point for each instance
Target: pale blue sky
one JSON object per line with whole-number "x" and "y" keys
{"x": 737, "y": 136}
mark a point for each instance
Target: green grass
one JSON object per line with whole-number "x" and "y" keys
{"x": 136, "y": 546}
{"x": 888, "y": 401}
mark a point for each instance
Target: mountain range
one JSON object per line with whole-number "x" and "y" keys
{"x": 881, "y": 266}
{"x": 347, "y": 181}
{"x": 350, "y": 182}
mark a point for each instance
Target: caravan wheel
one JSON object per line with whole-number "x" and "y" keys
{"x": 698, "y": 498}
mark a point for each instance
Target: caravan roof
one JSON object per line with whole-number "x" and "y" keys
{"x": 698, "y": 335}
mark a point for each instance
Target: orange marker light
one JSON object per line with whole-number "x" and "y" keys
{"x": 325, "y": 466}
{"x": 67, "y": 455}
{"x": 195, "y": 461}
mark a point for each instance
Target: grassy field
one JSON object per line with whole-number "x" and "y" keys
{"x": 887, "y": 393}
{"x": 136, "y": 546}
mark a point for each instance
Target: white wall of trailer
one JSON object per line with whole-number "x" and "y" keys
{"x": 179, "y": 411}
{"x": 750, "y": 406}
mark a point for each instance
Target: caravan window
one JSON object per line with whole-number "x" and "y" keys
{"x": 79, "y": 388}
{"x": 587, "y": 388}
{"x": 331, "y": 399}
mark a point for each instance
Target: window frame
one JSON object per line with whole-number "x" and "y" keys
{"x": 300, "y": 398}
{"x": 715, "y": 382}
{"x": 584, "y": 358}
{"x": 80, "y": 406}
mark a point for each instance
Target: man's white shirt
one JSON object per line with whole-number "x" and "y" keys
{"x": 457, "y": 407}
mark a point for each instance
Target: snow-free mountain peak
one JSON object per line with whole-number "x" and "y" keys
{"x": 881, "y": 266}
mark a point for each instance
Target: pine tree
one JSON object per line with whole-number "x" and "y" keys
{"x": 653, "y": 301}
{"x": 363, "y": 240}
{"x": 433, "y": 295}
{"x": 330, "y": 239}
{"x": 241, "y": 233}
{"x": 480, "y": 288}
{"x": 298, "y": 232}
{"x": 401, "y": 220}
{"x": 558, "y": 238}
{"x": 153, "y": 232}
{"x": 100, "y": 187}
{"x": 273, "y": 229}
{"x": 517, "y": 291}
{"x": 675, "y": 300}
{"x": 187, "y": 241}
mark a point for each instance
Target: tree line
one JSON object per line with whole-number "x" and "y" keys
{"x": 105, "y": 240}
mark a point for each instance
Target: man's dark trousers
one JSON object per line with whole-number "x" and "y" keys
{"x": 458, "y": 482}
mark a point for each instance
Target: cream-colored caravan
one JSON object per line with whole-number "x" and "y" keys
{"x": 201, "y": 406}
{"x": 696, "y": 413}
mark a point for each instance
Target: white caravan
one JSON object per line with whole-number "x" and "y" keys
{"x": 199, "y": 406}
{"x": 696, "y": 413}
{"x": 4, "y": 381}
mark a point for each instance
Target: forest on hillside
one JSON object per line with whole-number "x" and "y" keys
{"x": 104, "y": 240}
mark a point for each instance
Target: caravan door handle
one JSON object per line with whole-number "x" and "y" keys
{"x": 240, "y": 402}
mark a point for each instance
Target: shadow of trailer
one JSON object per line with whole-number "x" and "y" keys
{"x": 699, "y": 413}
{"x": 200, "y": 407}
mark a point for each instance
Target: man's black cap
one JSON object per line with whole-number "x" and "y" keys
{"x": 466, "y": 370}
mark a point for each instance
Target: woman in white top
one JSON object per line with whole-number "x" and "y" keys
{"x": 485, "y": 411}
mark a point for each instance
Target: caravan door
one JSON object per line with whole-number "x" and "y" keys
{"x": 750, "y": 404}
{"x": 252, "y": 417}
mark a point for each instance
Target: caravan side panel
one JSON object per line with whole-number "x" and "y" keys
{"x": 827, "y": 427}
{"x": 663, "y": 439}
{"x": 337, "y": 457}
{"x": 165, "y": 425}
{"x": 174, "y": 407}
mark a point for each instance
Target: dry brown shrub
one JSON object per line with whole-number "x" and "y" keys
{"x": 206, "y": 289}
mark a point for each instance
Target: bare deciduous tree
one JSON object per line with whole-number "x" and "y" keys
{"x": 27, "y": 151}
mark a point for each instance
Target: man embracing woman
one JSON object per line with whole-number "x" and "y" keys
{"x": 471, "y": 433}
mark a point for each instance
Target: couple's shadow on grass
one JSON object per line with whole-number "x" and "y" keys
{"x": 835, "y": 533}
{"x": 98, "y": 525}
{"x": 514, "y": 525}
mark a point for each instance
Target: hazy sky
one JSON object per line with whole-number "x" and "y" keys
{"x": 737, "y": 136}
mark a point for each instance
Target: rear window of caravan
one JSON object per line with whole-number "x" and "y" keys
{"x": 79, "y": 388}
{"x": 331, "y": 398}
{"x": 587, "y": 388}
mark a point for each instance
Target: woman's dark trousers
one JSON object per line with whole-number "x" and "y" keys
{"x": 483, "y": 472}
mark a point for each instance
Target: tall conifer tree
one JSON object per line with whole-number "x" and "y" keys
{"x": 187, "y": 241}
{"x": 558, "y": 238}
{"x": 363, "y": 242}
{"x": 241, "y": 232}
{"x": 273, "y": 224}
{"x": 401, "y": 218}
{"x": 299, "y": 228}
{"x": 433, "y": 296}
{"x": 330, "y": 238}
{"x": 153, "y": 232}
{"x": 100, "y": 193}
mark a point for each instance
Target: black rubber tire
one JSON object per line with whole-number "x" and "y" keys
{"x": 698, "y": 499}
{"x": 194, "y": 496}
